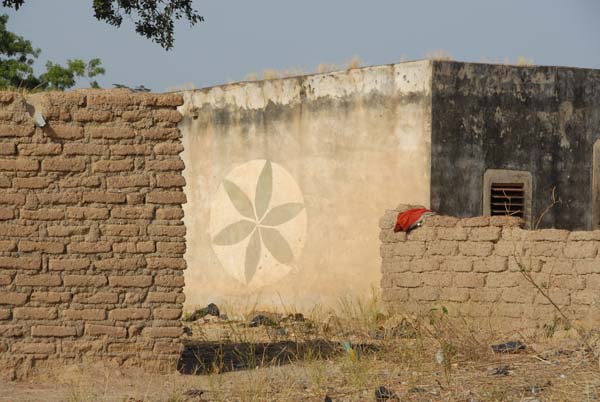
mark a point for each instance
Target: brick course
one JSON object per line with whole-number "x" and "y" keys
{"x": 476, "y": 263}
{"x": 86, "y": 252}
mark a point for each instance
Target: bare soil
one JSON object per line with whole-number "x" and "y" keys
{"x": 293, "y": 360}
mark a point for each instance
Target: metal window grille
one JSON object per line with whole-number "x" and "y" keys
{"x": 508, "y": 199}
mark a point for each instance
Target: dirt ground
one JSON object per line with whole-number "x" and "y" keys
{"x": 292, "y": 358}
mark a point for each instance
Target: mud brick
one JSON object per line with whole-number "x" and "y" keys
{"x": 136, "y": 149}
{"x": 56, "y": 331}
{"x": 168, "y": 148}
{"x": 32, "y": 263}
{"x": 66, "y": 132}
{"x": 13, "y": 298}
{"x": 132, "y": 180}
{"x": 165, "y": 297}
{"x": 146, "y": 212}
{"x": 104, "y": 197}
{"x": 98, "y": 330}
{"x": 38, "y": 280}
{"x": 19, "y": 165}
{"x": 171, "y": 281}
{"x": 166, "y": 230}
{"x": 50, "y": 297}
{"x": 33, "y": 348}
{"x": 167, "y": 313}
{"x": 96, "y": 298}
{"x": 116, "y": 264}
{"x": 122, "y": 165}
{"x": 166, "y": 197}
{"x": 34, "y": 313}
{"x": 117, "y": 132}
{"x": 32, "y": 182}
{"x": 173, "y": 247}
{"x": 165, "y": 263}
{"x": 43, "y": 214}
{"x": 126, "y": 314}
{"x": 49, "y": 247}
{"x": 12, "y": 198}
{"x": 89, "y": 247}
{"x": 165, "y": 165}
{"x": 85, "y": 280}
{"x": 92, "y": 314}
{"x": 7, "y": 213}
{"x": 85, "y": 149}
{"x": 133, "y": 281}
{"x": 169, "y": 213}
{"x": 160, "y": 134}
{"x": 162, "y": 332}
{"x": 87, "y": 213}
{"x": 39, "y": 149}
{"x": 66, "y": 231}
{"x": 9, "y": 130}
{"x": 171, "y": 116}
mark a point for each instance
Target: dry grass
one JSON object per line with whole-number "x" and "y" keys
{"x": 392, "y": 350}
{"x": 439, "y": 55}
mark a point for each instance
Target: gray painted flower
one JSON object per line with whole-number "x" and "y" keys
{"x": 259, "y": 222}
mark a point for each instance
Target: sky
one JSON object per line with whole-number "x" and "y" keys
{"x": 242, "y": 37}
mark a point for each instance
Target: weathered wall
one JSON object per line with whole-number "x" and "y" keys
{"x": 340, "y": 146}
{"x": 472, "y": 267}
{"x": 91, "y": 238}
{"x": 543, "y": 120}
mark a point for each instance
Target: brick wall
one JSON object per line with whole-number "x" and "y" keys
{"x": 91, "y": 231}
{"x": 473, "y": 267}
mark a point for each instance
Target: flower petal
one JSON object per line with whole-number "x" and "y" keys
{"x": 252, "y": 256}
{"x": 282, "y": 213}
{"x": 264, "y": 190}
{"x": 234, "y": 233}
{"x": 277, "y": 245}
{"x": 239, "y": 199}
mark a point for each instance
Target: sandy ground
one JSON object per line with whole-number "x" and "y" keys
{"x": 299, "y": 361}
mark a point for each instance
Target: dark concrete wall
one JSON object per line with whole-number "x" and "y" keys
{"x": 544, "y": 120}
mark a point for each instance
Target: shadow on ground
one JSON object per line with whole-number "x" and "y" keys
{"x": 200, "y": 357}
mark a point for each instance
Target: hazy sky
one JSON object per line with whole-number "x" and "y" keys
{"x": 241, "y": 37}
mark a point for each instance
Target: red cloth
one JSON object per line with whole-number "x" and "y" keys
{"x": 408, "y": 218}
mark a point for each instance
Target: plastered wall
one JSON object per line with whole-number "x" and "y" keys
{"x": 474, "y": 267}
{"x": 287, "y": 178}
{"x": 91, "y": 231}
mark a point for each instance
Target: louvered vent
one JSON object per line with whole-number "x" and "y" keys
{"x": 508, "y": 199}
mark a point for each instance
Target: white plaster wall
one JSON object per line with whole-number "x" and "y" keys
{"x": 352, "y": 141}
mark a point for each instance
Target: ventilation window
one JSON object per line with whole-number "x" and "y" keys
{"x": 507, "y": 199}
{"x": 508, "y": 192}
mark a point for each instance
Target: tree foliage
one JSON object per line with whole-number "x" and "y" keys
{"x": 17, "y": 56}
{"x": 153, "y": 19}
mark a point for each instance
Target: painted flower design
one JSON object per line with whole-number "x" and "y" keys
{"x": 259, "y": 221}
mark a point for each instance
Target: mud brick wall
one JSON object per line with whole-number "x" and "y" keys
{"x": 474, "y": 266}
{"x": 91, "y": 230}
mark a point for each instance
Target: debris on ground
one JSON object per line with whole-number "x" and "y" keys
{"x": 382, "y": 394}
{"x": 328, "y": 399}
{"x": 500, "y": 370}
{"x": 210, "y": 310}
{"x": 508, "y": 347}
{"x": 262, "y": 319}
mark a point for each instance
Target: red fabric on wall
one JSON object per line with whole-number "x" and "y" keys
{"x": 407, "y": 220}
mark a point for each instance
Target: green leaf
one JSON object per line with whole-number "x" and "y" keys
{"x": 264, "y": 190}
{"x": 252, "y": 256}
{"x": 282, "y": 213}
{"x": 239, "y": 199}
{"x": 234, "y": 233}
{"x": 277, "y": 245}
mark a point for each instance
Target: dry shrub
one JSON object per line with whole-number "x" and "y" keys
{"x": 354, "y": 62}
{"x": 524, "y": 61}
{"x": 439, "y": 55}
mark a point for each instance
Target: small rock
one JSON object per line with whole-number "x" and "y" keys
{"x": 508, "y": 347}
{"x": 328, "y": 399}
{"x": 211, "y": 310}
{"x": 193, "y": 392}
{"x": 501, "y": 370}
{"x": 260, "y": 320}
